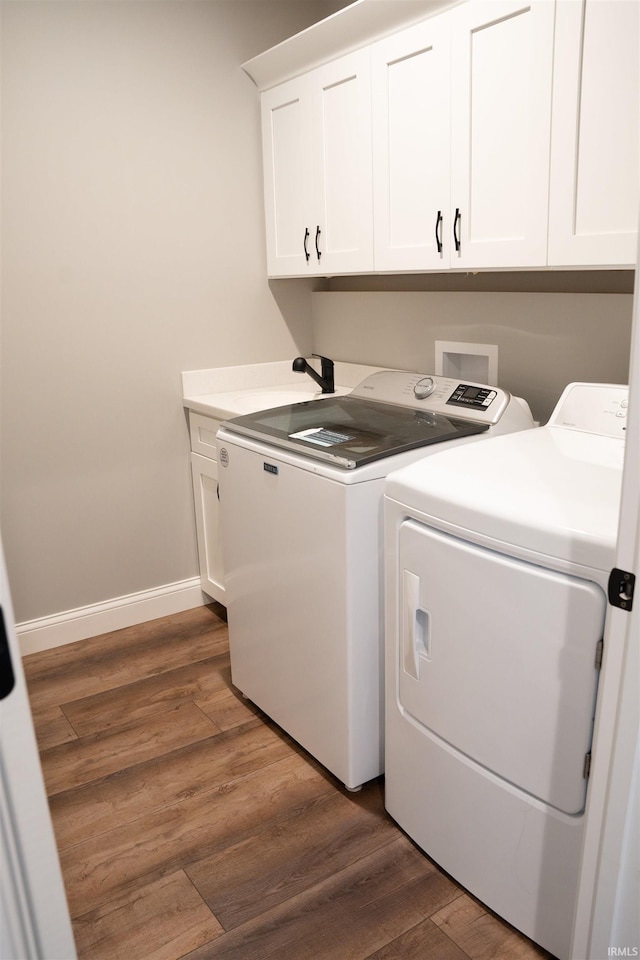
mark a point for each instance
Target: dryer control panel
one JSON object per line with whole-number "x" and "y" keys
{"x": 599, "y": 408}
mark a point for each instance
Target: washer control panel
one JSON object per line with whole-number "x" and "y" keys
{"x": 429, "y": 392}
{"x": 424, "y": 388}
{"x": 467, "y": 395}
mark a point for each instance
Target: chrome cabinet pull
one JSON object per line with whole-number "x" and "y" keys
{"x": 318, "y": 232}
{"x": 304, "y": 244}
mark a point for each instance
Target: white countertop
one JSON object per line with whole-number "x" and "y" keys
{"x": 224, "y": 392}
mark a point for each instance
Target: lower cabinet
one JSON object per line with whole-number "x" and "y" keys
{"x": 204, "y": 473}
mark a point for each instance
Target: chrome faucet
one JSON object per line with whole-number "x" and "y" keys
{"x": 325, "y": 379}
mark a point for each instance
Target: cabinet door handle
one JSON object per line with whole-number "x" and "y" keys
{"x": 456, "y": 221}
{"x": 318, "y": 232}
{"x": 304, "y": 244}
{"x": 439, "y": 234}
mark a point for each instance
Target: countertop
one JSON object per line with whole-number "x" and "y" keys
{"x": 225, "y": 392}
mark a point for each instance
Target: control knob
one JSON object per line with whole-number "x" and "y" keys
{"x": 424, "y": 388}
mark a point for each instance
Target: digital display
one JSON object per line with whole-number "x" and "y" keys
{"x": 466, "y": 395}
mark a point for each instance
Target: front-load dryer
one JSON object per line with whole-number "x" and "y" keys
{"x": 497, "y": 561}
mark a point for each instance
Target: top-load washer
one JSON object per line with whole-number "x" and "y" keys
{"x": 498, "y": 559}
{"x": 301, "y": 492}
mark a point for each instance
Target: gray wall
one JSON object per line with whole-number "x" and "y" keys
{"x": 545, "y": 339}
{"x": 132, "y": 248}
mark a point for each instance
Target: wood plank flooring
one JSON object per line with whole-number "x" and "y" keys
{"x": 191, "y": 828}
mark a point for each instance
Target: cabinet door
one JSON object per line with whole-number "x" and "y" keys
{"x": 502, "y": 55}
{"x": 411, "y": 108}
{"x": 204, "y": 474}
{"x": 288, "y": 176}
{"x": 343, "y": 225}
{"x": 593, "y": 210}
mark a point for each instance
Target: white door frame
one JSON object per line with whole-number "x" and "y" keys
{"x": 606, "y": 922}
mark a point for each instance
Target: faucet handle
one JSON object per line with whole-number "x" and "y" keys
{"x": 327, "y": 372}
{"x": 326, "y": 362}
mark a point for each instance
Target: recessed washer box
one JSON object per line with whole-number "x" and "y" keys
{"x": 477, "y": 362}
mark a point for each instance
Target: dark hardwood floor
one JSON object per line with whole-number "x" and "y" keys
{"x": 189, "y": 826}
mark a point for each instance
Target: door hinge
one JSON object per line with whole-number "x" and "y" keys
{"x": 599, "y": 652}
{"x": 587, "y": 765}
{"x": 621, "y": 587}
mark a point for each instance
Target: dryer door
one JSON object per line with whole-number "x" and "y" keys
{"x": 498, "y": 659}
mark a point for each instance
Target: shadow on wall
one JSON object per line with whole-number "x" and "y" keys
{"x": 293, "y": 299}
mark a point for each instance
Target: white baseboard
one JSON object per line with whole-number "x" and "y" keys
{"x": 71, "y": 625}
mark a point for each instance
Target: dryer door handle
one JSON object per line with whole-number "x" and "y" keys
{"x": 416, "y": 626}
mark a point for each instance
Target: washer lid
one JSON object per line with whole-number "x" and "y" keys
{"x": 549, "y": 490}
{"x": 350, "y": 432}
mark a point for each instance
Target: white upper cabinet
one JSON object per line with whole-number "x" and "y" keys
{"x": 286, "y": 137}
{"x": 499, "y": 134}
{"x": 318, "y": 171}
{"x": 411, "y": 110}
{"x": 461, "y": 129}
{"x": 501, "y": 77}
{"x": 593, "y": 209}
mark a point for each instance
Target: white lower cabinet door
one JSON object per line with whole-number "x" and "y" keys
{"x": 501, "y": 78}
{"x": 593, "y": 206}
{"x": 411, "y": 111}
{"x": 207, "y": 507}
